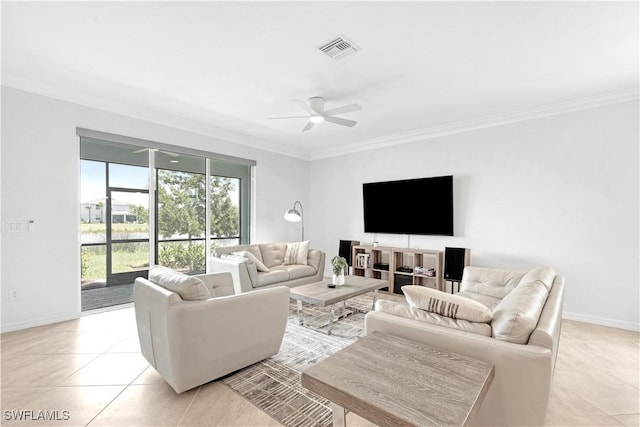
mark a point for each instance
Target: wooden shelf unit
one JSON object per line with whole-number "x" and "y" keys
{"x": 395, "y": 258}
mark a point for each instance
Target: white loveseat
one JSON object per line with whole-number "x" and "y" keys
{"x": 260, "y": 266}
{"x": 520, "y": 335}
{"x": 194, "y": 329}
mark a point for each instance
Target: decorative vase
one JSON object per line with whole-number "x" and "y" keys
{"x": 338, "y": 280}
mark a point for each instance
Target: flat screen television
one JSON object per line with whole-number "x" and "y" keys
{"x": 410, "y": 206}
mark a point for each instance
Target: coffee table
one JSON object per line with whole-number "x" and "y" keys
{"x": 392, "y": 381}
{"x": 319, "y": 294}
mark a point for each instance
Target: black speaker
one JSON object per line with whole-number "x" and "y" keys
{"x": 399, "y": 282}
{"x": 455, "y": 260}
{"x": 346, "y": 250}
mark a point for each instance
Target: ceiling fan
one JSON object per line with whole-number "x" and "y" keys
{"x": 317, "y": 113}
{"x": 168, "y": 153}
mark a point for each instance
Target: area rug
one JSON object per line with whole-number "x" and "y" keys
{"x": 273, "y": 385}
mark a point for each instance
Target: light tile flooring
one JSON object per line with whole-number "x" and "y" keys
{"x": 90, "y": 372}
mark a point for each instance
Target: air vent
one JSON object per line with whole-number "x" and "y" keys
{"x": 338, "y": 48}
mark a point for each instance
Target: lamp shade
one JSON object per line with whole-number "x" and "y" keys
{"x": 293, "y": 215}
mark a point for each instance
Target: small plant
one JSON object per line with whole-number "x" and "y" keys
{"x": 339, "y": 265}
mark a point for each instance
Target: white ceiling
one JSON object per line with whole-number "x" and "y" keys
{"x": 424, "y": 68}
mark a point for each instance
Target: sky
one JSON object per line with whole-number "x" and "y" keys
{"x": 93, "y": 182}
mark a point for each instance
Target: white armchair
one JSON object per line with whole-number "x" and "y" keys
{"x": 193, "y": 329}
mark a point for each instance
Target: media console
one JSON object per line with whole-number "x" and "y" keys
{"x": 422, "y": 267}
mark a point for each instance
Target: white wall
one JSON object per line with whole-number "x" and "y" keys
{"x": 561, "y": 191}
{"x": 40, "y": 167}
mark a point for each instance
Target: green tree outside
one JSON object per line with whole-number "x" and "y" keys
{"x": 141, "y": 213}
{"x": 181, "y": 215}
{"x": 182, "y": 201}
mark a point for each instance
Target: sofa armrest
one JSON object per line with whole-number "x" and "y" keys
{"x": 316, "y": 259}
{"x": 238, "y": 270}
{"x": 523, "y": 373}
{"x": 547, "y": 331}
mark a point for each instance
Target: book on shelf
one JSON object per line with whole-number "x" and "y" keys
{"x": 362, "y": 260}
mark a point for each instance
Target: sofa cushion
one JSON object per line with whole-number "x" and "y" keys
{"x": 489, "y": 281}
{"x": 544, "y": 275}
{"x": 486, "y": 300}
{"x": 406, "y": 311}
{"x": 218, "y": 284}
{"x": 516, "y": 316}
{"x": 453, "y": 306}
{"x": 296, "y": 253}
{"x": 189, "y": 288}
{"x": 259, "y": 265}
{"x": 273, "y": 253}
{"x": 296, "y": 271}
{"x": 255, "y": 251}
{"x": 275, "y": 275}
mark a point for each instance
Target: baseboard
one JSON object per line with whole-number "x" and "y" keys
{"x": 601, "y": 321}
{"x": 16, "y": 326}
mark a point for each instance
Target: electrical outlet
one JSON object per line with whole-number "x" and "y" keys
{"x": 13, "y": 294}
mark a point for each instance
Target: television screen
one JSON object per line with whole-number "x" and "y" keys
{"x": 410, "y": 206}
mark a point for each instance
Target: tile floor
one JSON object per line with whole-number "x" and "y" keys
{"x": 89, "y": 372}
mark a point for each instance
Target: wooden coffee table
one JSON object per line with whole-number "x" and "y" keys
{"x": 320, "y": 294}
{"x": 392, "y": 381}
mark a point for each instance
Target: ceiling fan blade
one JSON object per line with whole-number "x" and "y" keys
{"x": 344, "y": 109}
{"x": 339, "y": 121}
{"x": 305, "y": 106}
{"x": 308, "y": 126}
{"x": 289, "y": 117}
{"x": 169, "y": 153}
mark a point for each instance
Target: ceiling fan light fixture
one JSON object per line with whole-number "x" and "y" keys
{"x": 314, "y": 107}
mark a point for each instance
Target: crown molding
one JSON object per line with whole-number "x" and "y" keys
{"x": 199, "y": 127}
{"x": 483, "y": 122}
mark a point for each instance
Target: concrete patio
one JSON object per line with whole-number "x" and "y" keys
{"x": 106, "y": 296}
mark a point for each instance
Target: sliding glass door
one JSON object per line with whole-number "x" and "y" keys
{"x": 195, "y": 205}
{"x": 181, "y": 212}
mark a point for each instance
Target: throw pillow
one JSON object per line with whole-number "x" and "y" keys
{"x": 447, "y": 305}
{"x": 254, "y": 259}
{"x": 188, "y": 287}
{"x": 296, "y": 253}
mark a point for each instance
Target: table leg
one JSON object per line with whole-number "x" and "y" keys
{"x": 299, "y": 306}
{"x": 375, "y": 297}
{"x": 339, "y": 415}
{"x": 331, "y": 313}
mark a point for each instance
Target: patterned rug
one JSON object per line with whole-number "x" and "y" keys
{"x": 273, "y": 385}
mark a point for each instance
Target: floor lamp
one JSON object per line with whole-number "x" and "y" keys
{"x": 293, "y": 215}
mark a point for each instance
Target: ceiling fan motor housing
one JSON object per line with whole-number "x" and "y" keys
{"x": 317, "y": 104}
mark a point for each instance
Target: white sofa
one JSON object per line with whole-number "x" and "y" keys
{"x": 194, "y": 329}
{"x": 520, "y": 339}
{"x": 260, "y": 266}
